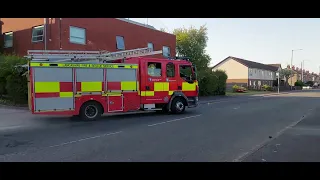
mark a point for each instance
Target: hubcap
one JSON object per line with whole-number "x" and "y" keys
{"x": 179, "y": 106}
{"x": 91, "y": 111}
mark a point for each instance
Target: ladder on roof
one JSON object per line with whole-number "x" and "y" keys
{"x": 80, "y": 56}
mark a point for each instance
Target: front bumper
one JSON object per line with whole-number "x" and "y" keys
{"x": 193, "y": 102}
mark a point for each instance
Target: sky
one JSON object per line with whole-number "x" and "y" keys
{"x": 261, "y": 40}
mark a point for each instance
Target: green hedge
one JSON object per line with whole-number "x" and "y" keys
{"x": 299, "y": 83}
{"x": 212, "y": 83}
{"x": 13, "y": 82}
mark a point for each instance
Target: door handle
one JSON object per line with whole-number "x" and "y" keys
{"x": 179, "y": 88}
{"x": 147, "y": 88}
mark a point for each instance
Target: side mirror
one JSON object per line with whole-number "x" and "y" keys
{"x": 190, "y": 81}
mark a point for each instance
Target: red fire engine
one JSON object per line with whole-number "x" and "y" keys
{"x": 90, "y": 83}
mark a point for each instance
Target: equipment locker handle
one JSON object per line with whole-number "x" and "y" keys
{"x": 147, "y": 88}
{"x": 179, "y": 88}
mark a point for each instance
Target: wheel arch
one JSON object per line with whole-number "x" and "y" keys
{"x": 92, "y": 101}
{"x": 179, "y": 94}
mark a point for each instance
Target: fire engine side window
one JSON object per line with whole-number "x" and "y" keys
{"x": 154, "y": 69}
{"x": 170, "y": 70}
{"x": 185, "y": 72}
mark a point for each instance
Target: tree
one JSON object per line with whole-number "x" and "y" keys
{"x": 191, "y": 43}
{"x": 286, "y": 73}
{"x": 163, "y": 30}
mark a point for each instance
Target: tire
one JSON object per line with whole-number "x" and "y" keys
{"x": 177, "y": 106}
{"x": 90, "y": 111}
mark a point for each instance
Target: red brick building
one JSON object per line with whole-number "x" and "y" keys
{"x": 111, "y": 34}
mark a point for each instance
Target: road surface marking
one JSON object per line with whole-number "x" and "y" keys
{"x": 174, "y": 120}
{"x": 84, "y": 139}
{"x": 264, "y": 143}
{"x": 11, "y": 127}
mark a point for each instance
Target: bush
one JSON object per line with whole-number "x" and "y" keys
{"x": 212, "y": 82}
{"x": 236, "y": 88}
{"x": 17, "y": 88}
{"x": 299, "y": 83}
{"x": 310, "y": 83}
{"x": 13, "y": 84}
{"x": 267, "y": 87}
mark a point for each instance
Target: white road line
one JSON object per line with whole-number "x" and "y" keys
{"x": 174, "y": 120}
{"x": 261, "y": 145}
{"x": 79, "y": 140}
{"x": 11, "y": 127}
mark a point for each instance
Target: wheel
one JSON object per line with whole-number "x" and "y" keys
{"x": 90, "y": 111}
{"x": 177, "y": 106}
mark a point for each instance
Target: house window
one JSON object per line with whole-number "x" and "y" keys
{"x": 154, "y": 69}
{"x": 170, "y": 70}
{"x": 37, "y": 33}
{"x": 77, "y": 35}
{"x": 8, "y": 39}
{"x": 150, "y": 45}
{"x": 120, "y": 43}
{"x": 166, "y": 51}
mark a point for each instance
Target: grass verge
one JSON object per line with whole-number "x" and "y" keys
{"x": 247, "y": 93}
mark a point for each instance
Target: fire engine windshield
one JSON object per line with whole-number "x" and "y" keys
{"x": 187, "y": 72}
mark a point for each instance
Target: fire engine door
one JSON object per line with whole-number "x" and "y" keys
{"x": 155, "y": 88}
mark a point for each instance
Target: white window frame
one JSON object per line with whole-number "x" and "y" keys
{"x": 36, "y": 28}
{"x": 150, "y": 45}
{"x": 120, "y": 38}
{"x": 71, "y": 36}
{"x": 163, "y": 51}
{"x": 5, "y": 42}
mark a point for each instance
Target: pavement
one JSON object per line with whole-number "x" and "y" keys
{"x": 257, "y": 128}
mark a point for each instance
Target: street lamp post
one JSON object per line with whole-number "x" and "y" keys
{"x": 291, "y": 63}
{"x": 278, "y": 74}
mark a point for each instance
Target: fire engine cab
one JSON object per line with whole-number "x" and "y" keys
{"x": 90, "y": 83}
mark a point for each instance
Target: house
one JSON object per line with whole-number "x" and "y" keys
{"x": 247, "y": 73}
{"x": 302, "y": 75}
{"x": 19, "y": 35}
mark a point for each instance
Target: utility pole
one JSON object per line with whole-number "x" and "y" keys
{"x": 291, "y": 63}
{"x": 278, "y": 80}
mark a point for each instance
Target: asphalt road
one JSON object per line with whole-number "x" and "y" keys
{"x": 227, "y": 129}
